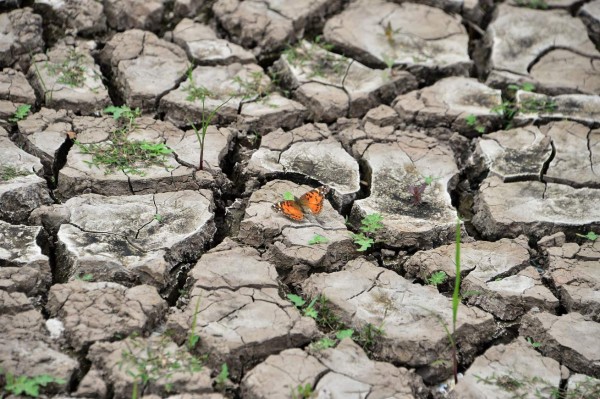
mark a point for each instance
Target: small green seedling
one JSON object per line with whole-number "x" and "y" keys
{"x": 300, "y": 303}
{"x": 472, "y": 122}
{"x": 71, "y": 71}
{"x": 533, "y": 343}
{"x": 193, "y": 337}
{"x": 21, "y": 113}
{"x": 29, "y": 386}
{"x": 437, "y": 278}
{"x": 348, "y": 333}
{"x": 318, "y": 239}
{"x": 590, "y": 236}
{"x": 302, "y": 392}
{"x": 323, "y": 343}
{"x": 287, "y": 196}
{"x": 85, "y": 277}
{"x": 530, "y": 87}
{"x": 370, "y": 224}
{"x": 223, "y": 377}
{"x": 158, "y": 218}
{"x": 10, "y": 172}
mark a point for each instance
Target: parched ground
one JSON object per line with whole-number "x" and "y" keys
{"x": 144, "y": 144}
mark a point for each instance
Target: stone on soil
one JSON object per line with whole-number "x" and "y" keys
{"x": 241, "y": 318}
{"x": 81, "y": 175}
{"x": 21, "y": 189}
{"x": 331, "y": 85}
{"x": 534, "y": 107}
{"x": 344, "y": 371}
{"x": 69, "y": 79}
{"x": 533, "y": 45}
{"x": 398, "y": 167}
{"x": 23, "y": 267}
{"x": 80, "y": 17}
{"x": 134, "y": 14}
{"x": 204, "y": 47}
{"x": 574, "y": 272}
{"x": 422, "y": 39}
{"x": 505, "y": 366}
{"x": 171, "y": 368}
{"x": 144, "y": 67}
{"x": 103, "y": 311}
{"x": 310, "y": 151}
{"x": 20, "y": 36}
{"x": 450, "y": 102}
{"x": 363, "y": 294}
{"x": 569, "y": 339}
{"x": 121, "y": 238}
{"x": 289, "y": 239}
{"x": 267, "y": 26}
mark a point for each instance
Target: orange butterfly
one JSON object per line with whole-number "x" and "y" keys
{"x": 296, "y": 209}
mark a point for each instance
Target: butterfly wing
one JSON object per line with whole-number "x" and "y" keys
{"x": 313, "y": 199}
{"x": 289, "y": 208}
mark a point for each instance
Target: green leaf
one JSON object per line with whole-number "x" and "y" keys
{"x": 513, "y": 87}
{"x": 437, "y": 278}
{"x": 288, "y": 196}
{"x": 318, "y": 239}
{"x": 528, "y": 87}
{"x": 371, "y": 223}
{"x": 480, "y": 129}
{"x": 296, "y": 300}
{"x": 344, "y": 334}
{"x": 311, "y": 312}
{"x": 362, "y": 241}
{"x": 323, "y": 343}
{"x": 158, "y": 218}
{"x": 590, "y": 236}
{"x": 193, "y": 341}
{"x": 223, "y": 375}
{"x": 429, "y": 180}
{"x": 21, "y": 113}
{"x": 116, "y": 111}
{"x": 471, "y": 120}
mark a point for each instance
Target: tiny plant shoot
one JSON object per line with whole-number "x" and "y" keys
{"x": 29, "y": 386}
{"x": 370, "y": 224}
{"x": 318, "y": 239}
{"x": 590, "y": 236}
{"x": 437, "y": 278}
{"x": 21, "y": 113}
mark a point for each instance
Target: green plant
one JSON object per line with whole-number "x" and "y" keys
{"x": 308, "y": 310}
{"x": 71, "y": 71}
{"x": 437, "y": 278}
{"x": 389, "y": 33}
{"x": 347, "y": 333}
{"x": 456, "y": 301}
{"x": 535, "y": 4}
{"x": 85, "y": 277}
{"x": 303, "y": 391}
{"x": 590, "y": 236}
{"x": 530, "y": 87}
{"x": 120, "y": 153}
{"x": 508, "y": 109}
{"x": 327, "y": 319}
{"x": 205, "y": 122}
{"x": 29, "y": 386}
{"x": 194, "y": 338}
{"x": 370, "y": 224}
{"x": 254, "y": 86}
{"x": 10, "y": 172}
{"x": 158, "y": 218}
{"x": 21, "y": 113}
{"x": 222, "y": 377}
{"x": 472, "y": 122}
{"x": 522, "y": 387}
{"x": 323, "y": 343}
{"x": 318, "y": 239}
{"x": 148, "y": 361}
{"x": 367, "y": 336}
{"x": 287, "y": 196}
{"x": 533, "y": 343}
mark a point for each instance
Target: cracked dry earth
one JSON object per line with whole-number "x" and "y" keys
{"x": 144, "y": 279}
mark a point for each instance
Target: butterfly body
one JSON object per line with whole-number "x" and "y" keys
{"x": 310, "y": 202}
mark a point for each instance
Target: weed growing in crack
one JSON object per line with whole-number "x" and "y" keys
{"x": 70, "y": 72}
{"x": 307, "y": 310}
{"x": 149, "y": 361}
{"x": 8, "y": 172}
{"x": 370, "y": 224}
{"x": 254, "y": 86}
{"x": 120, "y": 153}
{"x": 471, "y": 121}
{"x": 437, "y": 278}
{"x": 21, "y": 113}
{"x": 201, "y": 93}
{"x": 303, "y": 392}
{"x": 193, "y": 337}
{"x": 533, "y": 343}
{"x": 590, "y": 236}
{"x": 222, "y": 378}
{"x": 85, "y": 277}
{"x": 28, "y": 386}
{"x": 508, "y": 109}
{"x": 318, "y": 239}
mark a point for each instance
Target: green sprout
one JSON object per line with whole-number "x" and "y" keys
{"x": 21, "y": 113}
{"x": 318, "y": 239}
